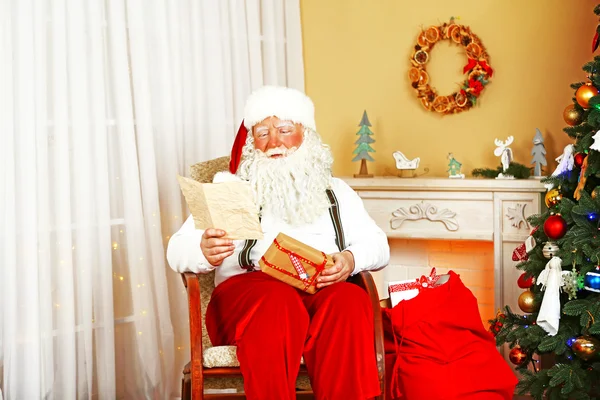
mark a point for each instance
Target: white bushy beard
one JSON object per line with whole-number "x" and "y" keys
{"x": 291, "y": 187}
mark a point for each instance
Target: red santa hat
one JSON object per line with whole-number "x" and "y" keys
{"x": 272, "y": 101}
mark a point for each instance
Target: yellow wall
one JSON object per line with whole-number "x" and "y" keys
{"x": 356, "y": 56}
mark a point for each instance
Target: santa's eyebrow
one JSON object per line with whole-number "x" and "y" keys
{"x": 284, "y": 124}
{"x": 260, "y": 128}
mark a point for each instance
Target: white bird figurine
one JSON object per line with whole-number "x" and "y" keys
{"x": 551, "y": 279}
{"x": 404, "y": 163}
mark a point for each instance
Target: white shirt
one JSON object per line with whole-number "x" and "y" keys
{"x": 367, "y": 242}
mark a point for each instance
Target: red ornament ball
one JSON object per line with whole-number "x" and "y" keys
{"x": 524, "y": 281}
{"x": 517, "y": 356}
{"x": 555, "y": 227}
{"x": 578, "y": 159}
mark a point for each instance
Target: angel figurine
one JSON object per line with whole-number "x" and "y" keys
{"x": 552, "y": 280}
{"x": 505, "y": 154}
{"x": 565, "y": 161}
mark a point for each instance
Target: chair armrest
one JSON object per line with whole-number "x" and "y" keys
{"x": 364, "y": 279}
{"x": 192, "y": 284}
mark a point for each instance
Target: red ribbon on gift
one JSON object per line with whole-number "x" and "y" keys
{"x": 482, "y": 63}
{"x": 424, "y": 282}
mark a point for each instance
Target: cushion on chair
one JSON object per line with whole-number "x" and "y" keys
{"x": 205, "y": 171}
{"x": 223, "y": 356}
{"x": 220, "y": 356}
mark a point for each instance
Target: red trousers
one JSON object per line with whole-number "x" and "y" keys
{"x": 273, "y": 325}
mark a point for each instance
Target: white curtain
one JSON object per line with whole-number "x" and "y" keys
{"x": 102, "y": 103}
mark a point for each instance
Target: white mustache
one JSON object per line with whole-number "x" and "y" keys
{"x": 279, "y": 151}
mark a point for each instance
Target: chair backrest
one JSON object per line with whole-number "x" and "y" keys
{"x": 204, "y": 172}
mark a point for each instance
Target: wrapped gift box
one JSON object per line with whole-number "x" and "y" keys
{"x": 294, "y": 263}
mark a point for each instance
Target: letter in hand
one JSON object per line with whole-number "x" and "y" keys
{"x": 214, "y": 247}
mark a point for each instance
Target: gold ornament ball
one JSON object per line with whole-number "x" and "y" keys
{"x": 585, "y": 93}
{"x": 586, "y": 347}
{"x": 550, "y": 249}
{"x": 572, "y": 116}
{"x": 553, "y": 197}
{"x": 526, "y": 301}
{"x": 595, "y": 192}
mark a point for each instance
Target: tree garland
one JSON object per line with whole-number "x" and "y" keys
{"x": 477, "y": 68}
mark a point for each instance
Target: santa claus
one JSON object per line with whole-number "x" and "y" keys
{"x": 273, "y": 325}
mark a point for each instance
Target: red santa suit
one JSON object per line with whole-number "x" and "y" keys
{"x": 272, "y": 324}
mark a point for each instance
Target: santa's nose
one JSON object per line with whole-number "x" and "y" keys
{"x": 274, "y": 142}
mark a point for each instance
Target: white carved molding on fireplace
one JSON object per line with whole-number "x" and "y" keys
{"x": 516, "y": 215}
{"x": 427, "y": 211}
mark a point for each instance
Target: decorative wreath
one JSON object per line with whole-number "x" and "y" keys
{"x": 477, "y": 69}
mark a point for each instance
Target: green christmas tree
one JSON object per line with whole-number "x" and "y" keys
{"x": 363, "y": 147}
{"x": 561, "y": 323}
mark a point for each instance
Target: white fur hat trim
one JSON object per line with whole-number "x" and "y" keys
{"x": 281, "y": 102}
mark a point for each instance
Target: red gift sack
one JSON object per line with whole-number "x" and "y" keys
{"x": 441, "y": 350}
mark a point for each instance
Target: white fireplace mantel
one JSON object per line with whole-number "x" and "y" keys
{"x": 458, "y": 209}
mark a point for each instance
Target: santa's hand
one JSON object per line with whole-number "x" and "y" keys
{"x": 343, "y": 265}
{"x": 214, "y": 248}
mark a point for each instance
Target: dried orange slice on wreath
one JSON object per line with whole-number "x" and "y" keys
{"x": 450, "y": 29}
{"x": 432, "y": 34}
{"x": 477, "y": 69}
{"x": 413, "y": 74}
{"x": 441, "y": 104}
{"x": 456, "y": 35}
{"x": 473, "y": 50}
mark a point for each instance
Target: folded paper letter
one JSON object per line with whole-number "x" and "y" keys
{"x": 228, "y": 206}
{"x": 294, "y": 263}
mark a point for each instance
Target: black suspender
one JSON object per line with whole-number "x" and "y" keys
{"x": 334, "y": 213}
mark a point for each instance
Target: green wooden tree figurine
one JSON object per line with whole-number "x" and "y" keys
{"x": 363, "y": 147}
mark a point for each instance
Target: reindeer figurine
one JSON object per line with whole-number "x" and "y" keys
{"x": 505, "y": 154}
